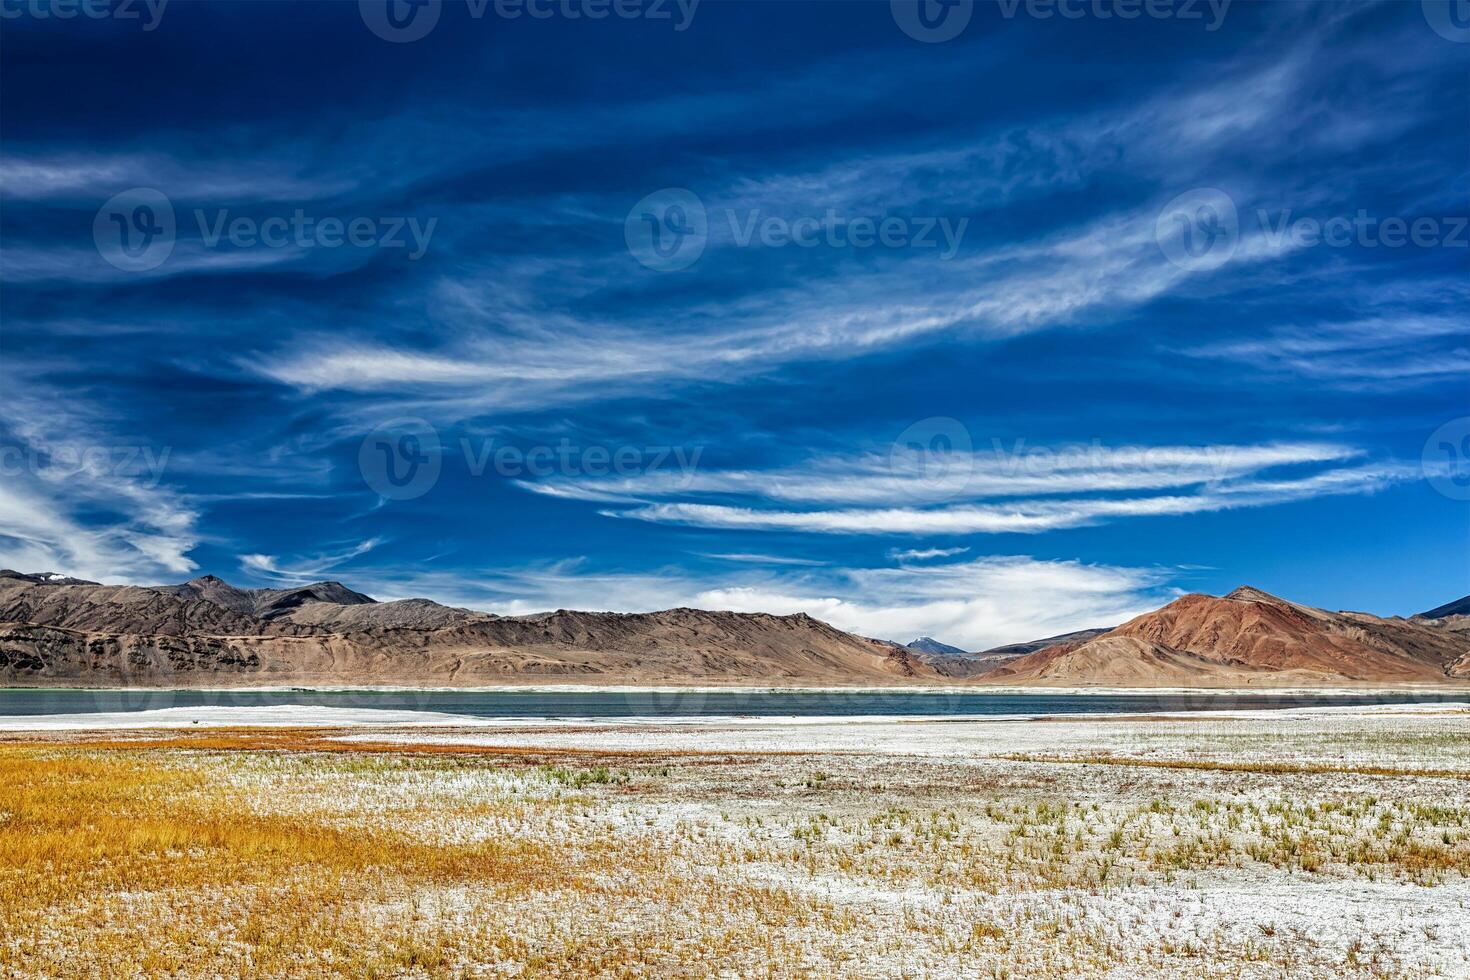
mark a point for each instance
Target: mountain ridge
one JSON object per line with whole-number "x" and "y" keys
{"x": 195, "y": 634}
{"x": 60, "y": 630}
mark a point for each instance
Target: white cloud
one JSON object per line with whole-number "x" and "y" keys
{"x": 924, "y": 554}
{"x": 99, "y": 176}
{"x": 1378, "y": 352}
{"x": 756, "y": 559}
{"x": 24, "y": 264}
{"x": 1023, "y": 516}
{"x": 911, "y": 475}
{"x": 305, "y": 568}
{"x": 975, "y": 604}
{"x": 1008, "y": 489}
{"x": 132, "y": 534}
{"x": 78, "y": 499}
{"x": 504, "y": 338}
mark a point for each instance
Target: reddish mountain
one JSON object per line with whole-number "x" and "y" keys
{"x": 1249, "y": 638}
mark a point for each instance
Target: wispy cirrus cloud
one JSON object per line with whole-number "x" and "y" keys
{"x": 924, "y": 554}
{"x": 1017, "y": 489}
{"x": 753, "y": 558}
{"x": 98, "y": 176}
{"x": 1377, "y": 352}
{"x": 79, "y": 265}
{"x": 909, "y": 474}
{"x": 1025, "y": 516}
{"x": 301, "y": 569}
{"x": 79, "y": 499}
{"x": 516, "y": 334}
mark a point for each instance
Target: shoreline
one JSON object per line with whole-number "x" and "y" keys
{"x": 246, "y": 717}
{"x": 1373, "y": 690}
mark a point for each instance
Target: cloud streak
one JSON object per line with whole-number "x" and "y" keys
{"x": 1024, "y": 516}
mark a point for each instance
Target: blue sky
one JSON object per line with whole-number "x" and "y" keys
{"x": 742, "y": 305}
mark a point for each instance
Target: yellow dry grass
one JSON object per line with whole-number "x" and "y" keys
{"x": 87, "y": 839}
{"x": 291, "y": 853}
{"x": 150, "y": 858}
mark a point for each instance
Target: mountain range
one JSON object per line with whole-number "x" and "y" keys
{"x": 60, "y": 631}
{"x": 209, "y": 633}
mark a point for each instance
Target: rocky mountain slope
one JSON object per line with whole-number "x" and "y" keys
{"x": 1245, "y": 639}
{"x": 265, "y": 603}
{"x": 209, "y": 633}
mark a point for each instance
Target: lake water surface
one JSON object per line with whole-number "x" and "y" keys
{"x": 625, "y": 704}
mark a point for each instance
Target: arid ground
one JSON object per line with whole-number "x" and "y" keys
{"x": 1305, "y": 843}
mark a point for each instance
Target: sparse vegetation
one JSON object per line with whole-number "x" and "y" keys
{"x": 294, "y": 853}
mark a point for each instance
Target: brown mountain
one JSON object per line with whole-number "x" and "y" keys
{"x": 960, "y": 665}
{"x": 1250, "y": 638}
{"x": 61, "y": 631}
{"x": 265, "y": 603}
{"x": 209, "y": 633}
